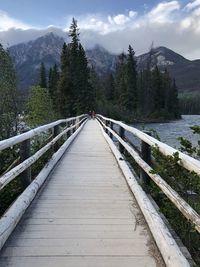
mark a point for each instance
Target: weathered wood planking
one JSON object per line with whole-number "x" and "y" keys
{"x": 84, "y": 216}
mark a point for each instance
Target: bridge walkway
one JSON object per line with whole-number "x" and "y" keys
{"x": 84, "y": 216}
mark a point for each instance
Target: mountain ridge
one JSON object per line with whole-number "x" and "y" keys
{"x": 28, "y": 56}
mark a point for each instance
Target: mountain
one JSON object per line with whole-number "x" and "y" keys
{"x": 186, "y": 72}
{"x": 28, "y": 57}
{"x": 101, "y": 59}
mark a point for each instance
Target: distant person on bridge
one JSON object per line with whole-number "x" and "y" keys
{"x": 93, "y": 114}
{"x": 90, "y": 114}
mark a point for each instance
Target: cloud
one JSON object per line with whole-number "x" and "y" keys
{"x": 14, "y": 36}
{"x": 163, "y": 12}
{"x": 7, "y": 22}
{"x": 105, "y": 25}
{"x": 169, "y": 23}
{"x": 192, "y": 5}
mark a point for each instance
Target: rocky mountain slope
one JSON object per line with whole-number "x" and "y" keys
{"x": 186, "y": 72}
{"x": 28, "y": 57}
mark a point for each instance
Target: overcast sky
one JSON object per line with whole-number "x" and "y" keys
{"x": 112, "y": 23}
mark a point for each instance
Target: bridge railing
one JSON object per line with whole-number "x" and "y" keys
{"x": 27, "y": 160}
{"x": 71, "y": 128}
{"x": 143, "y": 160}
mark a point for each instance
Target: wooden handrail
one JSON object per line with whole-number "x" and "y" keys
{"x": 185, "y": 161}
{"x": 21, "y": 137}
{"x": 14, "y": 172}
{"x": 172, "y": 195}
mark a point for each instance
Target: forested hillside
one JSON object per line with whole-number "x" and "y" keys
{"x": 126, "y": 94}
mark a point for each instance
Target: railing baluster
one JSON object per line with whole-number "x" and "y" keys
{"x": 111, "y": 126}
{"x": 69, "y": 132}
{"x": 25, "y": 152}
{"x": 55, "y": 133}
{"x": 107, "y": 123}
{"x": 146, "y": 156}
{"x": 121, "y": 134}
{"x": 74, "y": 122}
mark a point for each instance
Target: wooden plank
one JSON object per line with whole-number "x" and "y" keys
{"x": 52, "y": 235}
{"x": 79, "y": 228}
{"x": 87, "y": 247}
{"x": 75, "y": 222}
{"x": 79, "y": 261}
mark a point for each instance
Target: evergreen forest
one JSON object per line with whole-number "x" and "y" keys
{"x": 126, "y": 94}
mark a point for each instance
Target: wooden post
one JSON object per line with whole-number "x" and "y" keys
{"x": 69, "y": 132}
{"x": 78, "y": 123}
{"x": 146, "y": 156}
{"x": 74, "y": 121}
{"x": 107, "y": 123}
{"x": 121, "y": 134}
{"x": 111, "y": 126}
{"x": 55, "y": 133}
{"x": 25, "y": 152}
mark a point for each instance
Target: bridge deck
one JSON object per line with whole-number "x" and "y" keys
{"x": 84, "y": 216}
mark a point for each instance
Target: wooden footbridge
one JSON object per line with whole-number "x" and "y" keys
{"x": 86, "y": 207}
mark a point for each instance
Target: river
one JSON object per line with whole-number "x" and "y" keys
{"x": 169, "y": 132}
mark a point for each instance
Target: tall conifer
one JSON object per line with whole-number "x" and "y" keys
{"x": 131, "y": 93}
{"x": 43, "y": 78}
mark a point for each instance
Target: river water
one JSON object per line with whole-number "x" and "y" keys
{"x": 169, "y": 132}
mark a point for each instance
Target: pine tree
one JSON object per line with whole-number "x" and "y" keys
{"x": 98, "y": 91}
{"x": 171, "y": 98}
{"x": 120, "y": 81}
{"x": 158, "y": 91}
{"x": 175, "y": 108}
{"x": 39, "y": 107}
{"x": 53, "y": 84}
{"x": 75, "y": 91}
{"x": 74, "y": 34}
{"x": 109, "y": 87}
{"x": 8, "y": 96}
{"x": 43, "y": 79}
{"x": 64, "y": 99}
{"x": 131, "y": 93}
{"x": 74, "y": 61}
{"x": 84, "y": 88}
{"x": 50, "y": 88}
